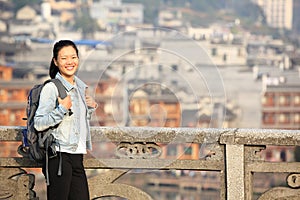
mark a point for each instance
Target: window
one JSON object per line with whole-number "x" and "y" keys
{"x": 224, "y": 57}
{"x": 239, "y": 53}
{"x": 268, "y": 100}
{"x": 284, "y": 118}
{"x": 12, "y": 117}
{"x": 171, "y": 123}
{"x": 269, "y": 118}
{"x": 139, "y": 107}
{"x": 284, "y": 100}
{"x": 10, "y": 94}
{"x": 297, "y": 100}
{"x": 171, "y": 107}
{"x": 2, "y": 93}
{"x": 264, "y": 100}
{"x": 188, "y": 151}
{"x": 172, "y": 150}
{"x": 214, "y": 51}
{"x": 297, "y": 117}
{"x": 116, "y": 10}
{"x": 4, "y": 111}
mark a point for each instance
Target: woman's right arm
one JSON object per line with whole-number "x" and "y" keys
{"x": 48, "y": 113}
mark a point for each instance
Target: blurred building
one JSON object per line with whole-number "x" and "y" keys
{"x": 111, "y": 13}
{"x": 170, "y": 19}
{"x": 13, "y": 97}
{"x": 154, "y": 105}
{"x": 281, "y": 100}
{"x": 278, "y": 13}
{"x": 280, "y": 107}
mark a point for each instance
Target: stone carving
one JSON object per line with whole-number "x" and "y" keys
{"x": 210, "y": 151}
{"x": 293, "y": 180}
{"x": 252, "y": 153}
{"x": 283, "y": 193}
{"x": 103, "y": 185}
{"x": 16, "y": 184}
{"x": 280, "y": 193}
{"x": 138, "y": 150}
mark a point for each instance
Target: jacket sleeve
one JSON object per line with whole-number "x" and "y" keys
{"x": 90, "y": 111}
{"x": 48, "y": 113}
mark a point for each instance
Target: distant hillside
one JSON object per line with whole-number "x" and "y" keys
{"x": 19, "y": 4}
{"x": 204, "y": 12}
{"x": 212, "y": 10}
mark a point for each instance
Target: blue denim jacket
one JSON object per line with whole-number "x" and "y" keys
{"x": 50, "y": 114}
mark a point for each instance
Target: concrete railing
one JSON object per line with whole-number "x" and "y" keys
{"x": 231, "y": 152}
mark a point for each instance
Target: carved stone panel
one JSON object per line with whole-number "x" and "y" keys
{"x": 16, "y": 184}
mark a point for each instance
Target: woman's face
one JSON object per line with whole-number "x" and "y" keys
{"x": 67, "y": 62}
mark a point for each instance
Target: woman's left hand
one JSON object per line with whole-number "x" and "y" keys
{"x": 90, "y": 102}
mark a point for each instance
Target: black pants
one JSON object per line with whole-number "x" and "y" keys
{"x": 72, "y": 184}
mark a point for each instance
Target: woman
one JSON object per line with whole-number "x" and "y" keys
{"x": 72, "y": 135}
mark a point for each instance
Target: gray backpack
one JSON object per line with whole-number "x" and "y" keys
{"x": 39, "y": 145}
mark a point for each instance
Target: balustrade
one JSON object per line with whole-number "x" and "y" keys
{"x": 233, "y": 153}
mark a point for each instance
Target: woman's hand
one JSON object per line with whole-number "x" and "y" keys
{"x": 90, "y": 102}
{"x": 66, "y": 102}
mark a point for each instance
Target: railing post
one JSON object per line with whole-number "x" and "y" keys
{"x": 235, "y": 172}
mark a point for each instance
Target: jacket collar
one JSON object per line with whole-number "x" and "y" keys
{"x": 69, "y": 86}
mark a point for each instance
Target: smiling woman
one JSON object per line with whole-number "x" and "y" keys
{"x": 67, "y": 63}
{"x": 66, "y": 178}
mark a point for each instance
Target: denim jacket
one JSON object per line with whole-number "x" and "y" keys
{"x": 50, "y": 114}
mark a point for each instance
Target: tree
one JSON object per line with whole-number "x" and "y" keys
{"x": 19, "y": 4}
{"x": 249, "y": 10}
{"x": 86, "y": 25}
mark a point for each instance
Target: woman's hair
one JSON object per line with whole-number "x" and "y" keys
{"x": 57, "y": 47}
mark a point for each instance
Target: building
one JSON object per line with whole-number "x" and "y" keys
{"x": 154, "y": 105}
{"x": 278, "y": 13}
{"x": 266, "y": 51}
{"x": 281, "y": 106}
{"x": 280, "y": 109}
{"x": 13, "y": 97}
{"x": 110, "y": 13}
{"x": 110, "y": 109}
{"x": 170, "y": 19}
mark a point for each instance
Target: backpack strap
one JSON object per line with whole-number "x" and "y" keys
{"x": 62, "y": 93}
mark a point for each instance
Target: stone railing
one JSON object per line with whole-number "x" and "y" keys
{"x": 231, "y": 152}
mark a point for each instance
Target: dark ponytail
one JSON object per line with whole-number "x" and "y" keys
{"x": 53, "y": 69}
{"x": 57, "y": 47}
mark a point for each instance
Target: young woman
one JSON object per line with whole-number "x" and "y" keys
{"x": 72, "y": 134}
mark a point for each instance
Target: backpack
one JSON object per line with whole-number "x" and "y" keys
{"x": 38, "y": 145}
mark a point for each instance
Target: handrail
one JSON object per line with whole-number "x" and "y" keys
{"x": 230, "y": 152}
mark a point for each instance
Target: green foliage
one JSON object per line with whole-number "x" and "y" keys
{"x": 211, "y": 10}
{"x": 203, "y": 5}
{"x": 85, "y": 24}
{"x": 202, "y": 12}
{"x": 248, "y": 10}
{"x": 21, "y": 3}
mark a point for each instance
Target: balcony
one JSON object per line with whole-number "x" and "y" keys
{"x": 234, "y": 154}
